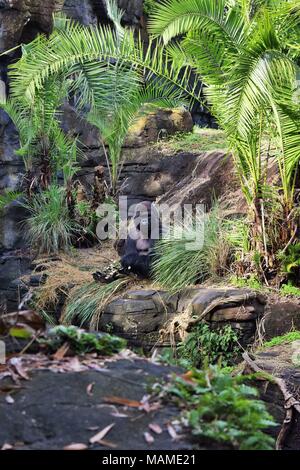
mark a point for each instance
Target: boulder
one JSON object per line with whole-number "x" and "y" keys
{"x": 281, "y": 318}
{"x": 158, "y": 125}
{"x": 282, "y": 362}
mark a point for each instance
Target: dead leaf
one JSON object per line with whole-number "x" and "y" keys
{"x": 61, "y": 352}
{"x": 188, "y": 377}
{"x": 107, "y": 444}
{"x": 6, "y": 446}
{"x": 77, "y": 446}
{"x": 16, "y": 362}
{"x": 75, "y": 365}
{"x": 123, "y": 401}
{"x": 116, "y": 414}
{"x": 100, "y": 435}
{"x": 172, "y": 432}
{"x": 148, "y": 438}
{"x": 89, "y": 389}
{"x": 9, "y": 399}
{"x": 155, "y": 428}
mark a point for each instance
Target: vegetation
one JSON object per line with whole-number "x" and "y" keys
{"x": 284, "y": 339}
{"x": 87, "y": 303}
{"x": 289, "y": 289}
{"x": 200, "y": 140}
{"x": 7, "y": 198}
{"x": 82, "y": 342}
{"x": 290, "y": 261}
{"x": 207, "y": 346}
{"x": 211, "y": 248}
{"x": 50, "y": 228}
{"x": 222, "y": 408}
{"x": 44, "y": 147}
{"x": 247, "y": 55}
{"x": 149, "y": 6}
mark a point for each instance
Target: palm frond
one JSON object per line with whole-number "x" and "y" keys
{"x": 173, "y": 18}
{"x": 67, "y": 50}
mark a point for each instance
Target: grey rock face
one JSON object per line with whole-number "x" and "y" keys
{"x": 140, "y": 315}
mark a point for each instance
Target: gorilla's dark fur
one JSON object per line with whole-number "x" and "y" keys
{"x": 137, "y": 253}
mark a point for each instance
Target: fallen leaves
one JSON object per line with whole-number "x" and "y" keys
{"x": 9, "y": 400}
{"x": 78, "y": 446}
{"x": 89, "y": 389}
{"x": 101, "y": 434}
{"x": 123, "y": 401}
{"x": 148, "y": 437}
{"x": 61, "y": 352}
{"x": 172, "y": 432}
{"x": 155, "y": 428}
{"x": 6, "y": 446}
{"x": 16, "y": 363}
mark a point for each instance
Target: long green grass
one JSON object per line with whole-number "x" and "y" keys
{"x": 50, "y": 228}
{"x": 86, "y": 304}
{"x": 176, "y": 265}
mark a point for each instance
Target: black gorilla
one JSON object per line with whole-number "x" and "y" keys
{"x": 143, "y": 231}
{"x": 137, "y": 251}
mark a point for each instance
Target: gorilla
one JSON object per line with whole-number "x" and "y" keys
{"x": 143, "y": 231}
{"x": 137, "y": 250}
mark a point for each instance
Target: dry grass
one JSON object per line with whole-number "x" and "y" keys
{"x": 69, "y": 280}
{"x": 69, "y": 272}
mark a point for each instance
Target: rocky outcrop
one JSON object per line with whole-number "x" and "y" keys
{"x": 157, "y": 125}
{"x": 73, "y": 414}
{"x": 140, "y": 315}
{"x": 283, "y": 363}
{"x": 281, "y": 317}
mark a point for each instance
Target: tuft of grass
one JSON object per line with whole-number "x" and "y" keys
{"x": 284, "y": 339}
{"x": 86, "y": 303}
{"x": 179, "y": 264}
{"x": 200, "y": 140}
{"x": 251, "y": 282}
{"x": 50, "y": 228}
{"x": 289, "y": 289}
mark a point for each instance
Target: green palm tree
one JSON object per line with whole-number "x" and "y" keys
{"x": 44, "y": 147}
{"x": 246, "y": 52}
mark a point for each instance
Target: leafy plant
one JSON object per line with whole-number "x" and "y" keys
{"x": 290, "y": 262}
{"x": 149, "y": 6}
{"x": 50, "y": 228}
{"x": 251, "y": 282}
{"x": 44, "y": 147}
{"x": 82, "y": 342}
{"x": 8, "y": 197}
{"x": 205, "y": 345}
{"x": 247, "y": 55}
{"x": 289, "y": 289}
{"x": 222, "y": 408}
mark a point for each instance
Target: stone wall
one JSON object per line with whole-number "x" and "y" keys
{"x": 139, "y": 315}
